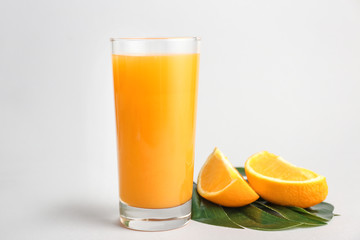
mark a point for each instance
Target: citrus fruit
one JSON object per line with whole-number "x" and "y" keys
{"x": 221, "y": 183}
{"x": 280, "y": 182}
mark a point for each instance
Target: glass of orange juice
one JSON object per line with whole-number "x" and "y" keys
{"x": 155, "y": 89}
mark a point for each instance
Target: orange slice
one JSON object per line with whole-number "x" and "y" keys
{"x": 280, "y": 182}
{"x": 221, "y": 183}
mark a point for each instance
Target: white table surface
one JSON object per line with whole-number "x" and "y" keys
{"x": 38, "y": 203}
{"x": 282, "y": 76}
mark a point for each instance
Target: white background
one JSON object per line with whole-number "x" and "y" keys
{"x": 282, "y": 76}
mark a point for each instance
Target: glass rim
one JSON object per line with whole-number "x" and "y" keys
{"x": 115, "y": 39}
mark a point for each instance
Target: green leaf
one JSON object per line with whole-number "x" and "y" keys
{"x": 241, "y": 170}
{"x": 260, "y": 215}
{"x": 293, "y": 215}
{"x": 206, "y": 212}
{"x": 253, "y": 217}
{"x": 322, "y": 211}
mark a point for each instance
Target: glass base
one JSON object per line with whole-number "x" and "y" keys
{"x": 162, "y": 219}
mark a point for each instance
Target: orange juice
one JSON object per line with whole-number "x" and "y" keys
{"x": 155, "y": 101}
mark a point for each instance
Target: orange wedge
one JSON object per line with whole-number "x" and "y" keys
{"x": 280, "y": 182}
{"x": 221, "y": 183}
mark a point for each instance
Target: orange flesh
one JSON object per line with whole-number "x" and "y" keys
{"x": 220, "y": 183}
{"x": 215, "y": 176}
{"x": 282, "y": 183}
{"x": 267, "y": 165}
{"x": 155, "y": 101}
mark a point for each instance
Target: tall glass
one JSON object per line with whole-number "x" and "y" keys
{"x": 155, "y": 88}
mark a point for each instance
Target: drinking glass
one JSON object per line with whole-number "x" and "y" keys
{"x": 155, "y": 91}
